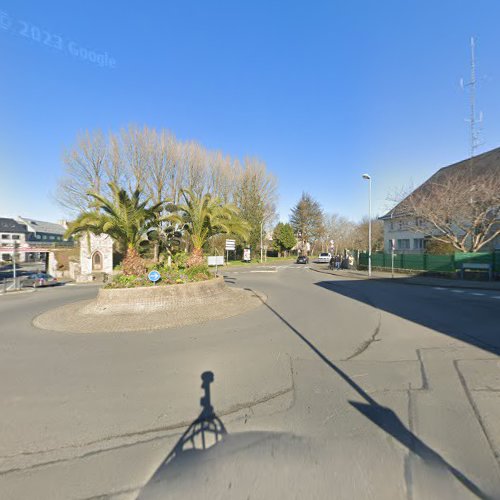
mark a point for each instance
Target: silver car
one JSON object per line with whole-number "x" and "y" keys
{"x": 39, "y": 279}
{"x": 324, "y": 257}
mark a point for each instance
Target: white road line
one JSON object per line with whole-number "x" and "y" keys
{"x": 477, "y": 294}
{"x": 496, "y": 297}
{"x": 439, "y": 288}
{"x": 454, "y": 290}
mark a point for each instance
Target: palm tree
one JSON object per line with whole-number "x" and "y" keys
{"x": 125, "y": 218}
{"x": 203, "y": 217}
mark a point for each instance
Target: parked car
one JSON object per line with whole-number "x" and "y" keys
{"x": 324, "y": 257}
{"x": 39, "y": 279}
{"x": 302, "y": 259}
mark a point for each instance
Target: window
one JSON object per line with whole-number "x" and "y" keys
{"x": 15, "y": 236}
{"x": 392, "y": 226}
{"x": 44, "y": 237}
{"x": 404, "y": 244}
{"x": 5, "y": 236}
{"x": 38, "y": 237}
{"x": 51, "y": 237}
{"x": 418, "y": 243}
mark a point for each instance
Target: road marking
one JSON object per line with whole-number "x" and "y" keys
{"x": 496, "y": 297}
{"x": 457, "y": 291}
{"x": 477, "y": 294}
{"x": 439, "y": 288}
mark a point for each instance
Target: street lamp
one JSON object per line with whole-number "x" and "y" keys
{"x": 369, "y": 179}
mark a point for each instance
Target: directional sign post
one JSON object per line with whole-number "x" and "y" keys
{"x": 154, "y": 276}
{"x": 230, "y": 245}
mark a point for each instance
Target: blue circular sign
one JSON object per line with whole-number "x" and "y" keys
{"x": 154, "y": 276}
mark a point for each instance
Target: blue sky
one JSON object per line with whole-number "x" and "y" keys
{"x": 321, "y": 91}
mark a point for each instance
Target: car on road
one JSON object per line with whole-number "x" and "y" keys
{"x": 324, "y": 257}
{"x": 39, "y": 279}
{"x": 302, "y": 259}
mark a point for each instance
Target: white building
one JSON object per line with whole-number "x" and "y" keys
{"x": 411, "y": 234}
{"x": 31, "y": 237}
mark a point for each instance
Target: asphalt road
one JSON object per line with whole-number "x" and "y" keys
{"x": 334, "y": 388}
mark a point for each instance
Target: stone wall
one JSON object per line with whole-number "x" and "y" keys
{"x": 156, "y": 298}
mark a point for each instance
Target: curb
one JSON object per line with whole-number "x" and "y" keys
{"x": 407, "y": 281}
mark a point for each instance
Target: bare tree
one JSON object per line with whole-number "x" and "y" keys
{"x": 255, "y": 196}
{"x": 360, "y": 235}
{"x": 134, "y": 142}
{"x": 85, "y": 164}
{"x": 339, "y": 229}
{"x": 462, "y": 209}
{"x": 222, "y": 176}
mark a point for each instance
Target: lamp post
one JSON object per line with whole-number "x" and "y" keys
{"x": 369, "y": 179}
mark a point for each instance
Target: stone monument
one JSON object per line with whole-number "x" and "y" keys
{"x": 96, "y": 256}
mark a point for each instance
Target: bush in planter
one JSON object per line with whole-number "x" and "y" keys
{"x": 198, "y": 273}
{"x": 180, "y": 259}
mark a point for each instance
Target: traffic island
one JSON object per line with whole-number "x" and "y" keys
{"x": 150, "y": 308}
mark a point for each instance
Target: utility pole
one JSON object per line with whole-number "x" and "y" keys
{"x": 14, "y": 255}
{"x": 261, "y": 229}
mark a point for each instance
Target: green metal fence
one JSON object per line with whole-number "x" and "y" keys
{"x": 431, "y": 263}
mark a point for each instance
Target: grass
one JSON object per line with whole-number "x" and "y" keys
{"x": 269, "y": 260}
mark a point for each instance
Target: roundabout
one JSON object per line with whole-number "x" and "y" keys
{"x": 150, "y": 308}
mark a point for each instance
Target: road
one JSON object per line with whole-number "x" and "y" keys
{"x": 334, "y": 388}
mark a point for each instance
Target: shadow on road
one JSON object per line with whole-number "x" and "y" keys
{"x": 386, "y": 419}
{"x": 471, "y": 322}
{"x": 204, "y": 432}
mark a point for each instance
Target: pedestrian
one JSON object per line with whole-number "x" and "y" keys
{"x": 331, "y": 265}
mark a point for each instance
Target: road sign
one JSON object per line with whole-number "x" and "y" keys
{"x": 154, "y": 276}
{"x": 246, "y": 255}
{"x": 215, "y": 260}
{"x": 230, "y": 244}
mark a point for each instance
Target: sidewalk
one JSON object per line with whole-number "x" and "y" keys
{"x": 411, "y": 279}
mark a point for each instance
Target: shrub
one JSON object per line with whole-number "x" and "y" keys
{"x": 198, "y": 273}
{"x": 180, "y": 260}
{"x": 169, "y": 276}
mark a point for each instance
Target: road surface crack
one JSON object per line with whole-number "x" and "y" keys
{"x": 366, "y": 344}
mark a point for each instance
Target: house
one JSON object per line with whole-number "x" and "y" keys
{"x": 29, "y": 237}
{"x": 11, "y": 232}
{"x": 43, "y": 231}
{"x": 411, "y": 234}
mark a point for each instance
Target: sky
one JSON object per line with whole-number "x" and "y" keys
{"x": 322, "y": 92}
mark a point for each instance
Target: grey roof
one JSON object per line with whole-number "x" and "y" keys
{"x": 482, "y": 164}
{"x": 8, "y": 225}
{"x": 40, "y": 226}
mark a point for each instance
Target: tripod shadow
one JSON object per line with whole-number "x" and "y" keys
{"x": 206, "y": 431}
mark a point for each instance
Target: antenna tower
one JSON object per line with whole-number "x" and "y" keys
{"x": 474, "y": 130}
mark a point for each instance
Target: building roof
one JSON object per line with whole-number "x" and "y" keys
{"x": 483, "y": 164}
{"x": 8, "y": 225}
{"x": 40, "y": 226}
